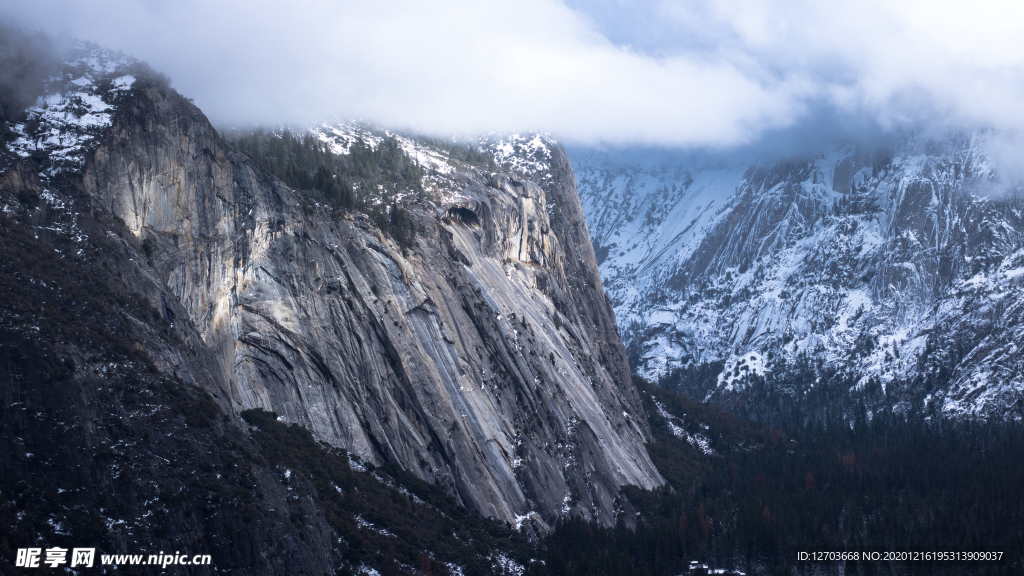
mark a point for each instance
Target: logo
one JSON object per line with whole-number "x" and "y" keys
{"x": 31, "y": 557}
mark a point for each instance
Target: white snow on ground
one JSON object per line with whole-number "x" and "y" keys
{"x": 62, "y": 126}
{"x": 356, "y": 464}
{"x": 440, "y": 171}
{"x": 527, "y": 154}
{"x": 520, "y": 520}
{"x": 508, "y": 565}
{"x": 646, "y": 221}
{"x": 363, "y": 524}
{"x": 738, "y": 368}
{"x": 698, "y": 441}
{"x": 341, "y": 135}
{"x": 77, "y": 107}
{"x": 808, "y": 289}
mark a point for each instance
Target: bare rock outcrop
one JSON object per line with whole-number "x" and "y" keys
{"x": 483, "y": 357}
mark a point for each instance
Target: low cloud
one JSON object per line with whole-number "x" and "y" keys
{"x": 694, "y": 74}
{"x": 26, "y": 61}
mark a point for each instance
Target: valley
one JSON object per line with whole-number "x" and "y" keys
{"x": 342, "y": 349}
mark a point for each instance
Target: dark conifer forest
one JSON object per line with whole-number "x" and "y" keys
{"x": 760, "y": 497}
{"x": 768, "y": 492}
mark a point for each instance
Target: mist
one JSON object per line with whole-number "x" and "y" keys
{"x": 27, "y": 60}
{"x": 699, "y": 74}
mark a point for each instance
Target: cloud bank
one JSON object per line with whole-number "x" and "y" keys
{"x": 698, "y": 73}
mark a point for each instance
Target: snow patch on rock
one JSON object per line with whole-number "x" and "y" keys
{"x": 697, "y": 440}
{"x": 78, "y": 106}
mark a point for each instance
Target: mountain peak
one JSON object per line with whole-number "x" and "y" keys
{"x": 858, "y": 261}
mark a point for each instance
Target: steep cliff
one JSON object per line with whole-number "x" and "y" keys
{"x": 881, "y": 277}
{"x": 482, "y": 356}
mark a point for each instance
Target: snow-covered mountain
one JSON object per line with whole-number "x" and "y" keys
{"x": 888, "y": 277}
{"x": 76, "y": 108}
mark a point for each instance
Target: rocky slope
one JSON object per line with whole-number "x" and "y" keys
{"x": 884, "y": 276}
{"x": 482, "y": 356}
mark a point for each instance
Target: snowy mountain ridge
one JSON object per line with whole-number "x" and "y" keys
{"x": 76, "y": 107}
{"x": 527, "y": 155}
{"x": 889, "y": 275}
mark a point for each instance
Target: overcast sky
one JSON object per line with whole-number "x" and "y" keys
{"x": 691, "y": 73}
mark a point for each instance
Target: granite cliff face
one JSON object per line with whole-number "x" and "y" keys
{"x": 482, "y": 357}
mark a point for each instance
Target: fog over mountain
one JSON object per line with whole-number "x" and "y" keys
{"x": 694, "y": 74}
{"x": 703, "y": 282}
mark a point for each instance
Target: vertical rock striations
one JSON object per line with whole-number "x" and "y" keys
{"x": 483, "y": 357}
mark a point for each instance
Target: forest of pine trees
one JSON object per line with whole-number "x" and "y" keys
{"x": 806, "y": 390}
{"x": 372, "y": 180}
{"x": 888, "y": 484}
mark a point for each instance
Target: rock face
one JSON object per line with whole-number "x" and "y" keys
{"x": 884, "y": 278}
{"x": 484, "y": 357}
